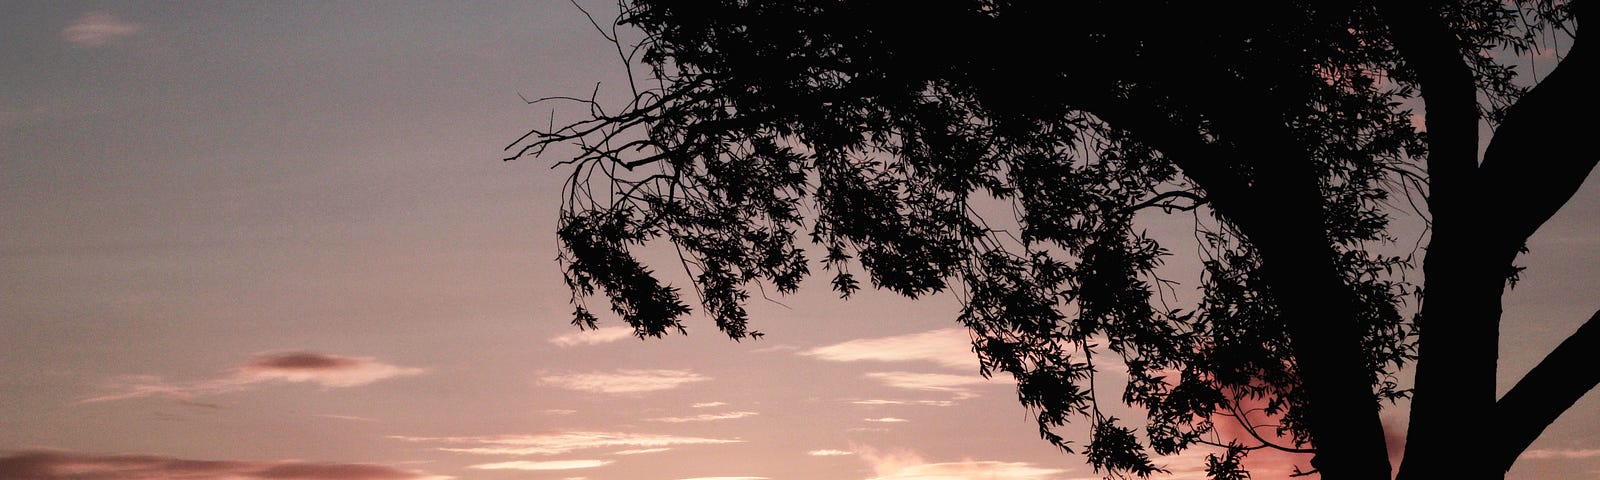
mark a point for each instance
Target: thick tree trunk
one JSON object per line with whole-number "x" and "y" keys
{"x": 1457, "y": 353}
{"x": 1320, "y": 314}
{"x": 1458, "y": 326}
{"x": 1482, "y": 217}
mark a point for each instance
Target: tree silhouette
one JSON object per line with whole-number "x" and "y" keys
{"x": 890, "y": 139}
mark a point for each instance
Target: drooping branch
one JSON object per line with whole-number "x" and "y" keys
{"x": 1549, "y": 389}
{"x": 1165, "y": 202}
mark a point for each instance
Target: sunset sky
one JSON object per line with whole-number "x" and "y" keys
{"x": 276, "y": 240}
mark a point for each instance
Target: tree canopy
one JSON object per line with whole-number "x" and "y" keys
{"x": 1010, "y": 152}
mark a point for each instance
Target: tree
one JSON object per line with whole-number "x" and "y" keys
{"x": 1282, "y": 128}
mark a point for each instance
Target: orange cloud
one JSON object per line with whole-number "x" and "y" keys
{"x": 98, "y": 29}
{"x": 50, "y": 465}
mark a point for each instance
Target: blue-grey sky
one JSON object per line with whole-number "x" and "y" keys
{"x": 275, "y": 240}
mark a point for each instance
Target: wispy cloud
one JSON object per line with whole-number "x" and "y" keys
{"x": 548, "y": 465}
{"x": 51, "y": 465}
{"x": 959, "y": 385}
{"x": 886, "y": 420}
{"x": 725, "y": 478}
{"x": 1552, "y": 454}
{"x": 98, "y": 29}
{"x": 594, "y": 337}
{"x": 904, "y": 465}
{"x": 329, "y": 371}
{"x": 709, "y": 417}
{"x": 929, "y": 403}
{"x": 950, "y": 347}
{"x": 828, "y": 452}
{"x": 708, "y": 404}
{"x": 640, "y": 451}
{"x": 560, "y": 443}
{"x": 624, "y": 381}
{"x": 352, "y": 418}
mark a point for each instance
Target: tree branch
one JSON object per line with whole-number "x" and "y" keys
{"x": 1559, "y": 380}
{"x": 1450, "y": 98}
{"x": 1164, "y": 201}
{"x": 1533, "y": 165}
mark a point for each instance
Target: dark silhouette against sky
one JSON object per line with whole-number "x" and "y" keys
{"x": 276, "y": 241}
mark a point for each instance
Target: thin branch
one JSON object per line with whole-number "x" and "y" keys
{"x": 1163, "y": 201}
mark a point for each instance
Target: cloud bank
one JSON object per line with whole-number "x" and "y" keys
{"x": 559, "y": 443}
{"x": 51, "y": 465}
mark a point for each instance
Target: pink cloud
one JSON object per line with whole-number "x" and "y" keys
{"x": 51, "y": 465}
{"x": 828, "y": 452}
{"x": 927, "y": 403}
{"x": 950, "y": 347}
{"x": 623, "y": 381}
{"x": 640, "y": 451}
{"x": 1553, "y": 454}
{"x": 709, "y": 417}
{"x": 542, "y": 466}
{"x": 594, "y": 337}
{"x": 907, "y": 465}
{"x": 98, "y": 29}
{"x": 326, "y": 370}
{"x": 560, "y": 443}
{"x": 959, "y": 385}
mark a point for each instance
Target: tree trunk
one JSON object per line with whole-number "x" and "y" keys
{"x": 1320, "y": 314}
{"x": 1458, "y": 345}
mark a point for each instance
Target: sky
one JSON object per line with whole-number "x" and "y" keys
{"x": 276, "y": 240}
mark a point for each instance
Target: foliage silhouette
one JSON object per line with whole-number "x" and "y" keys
{"x": 1281, "y": 128}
